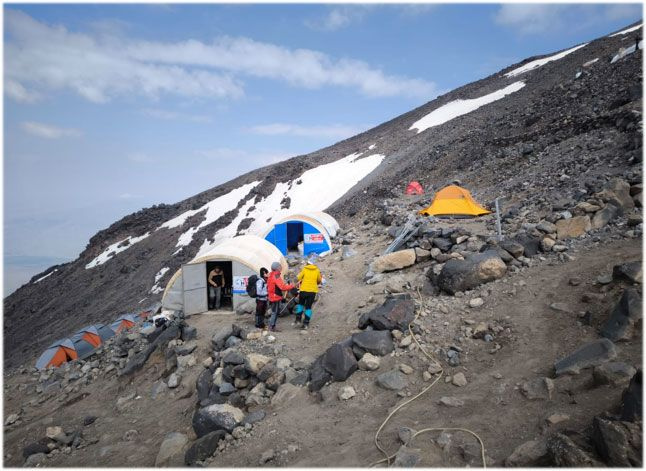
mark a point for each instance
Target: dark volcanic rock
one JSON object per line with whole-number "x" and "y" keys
{"x": 394, "y": 313}
{"x": 377, "y": 342}
{"x": 216, "y": 417}
{"x": 36, "y": 447}
{"x": 631, "y": 272}
{"x": 203, "y": 384}
{"x": 461, "y": 275}
{"x": 618, "y": 443}
{"x": 565, "y": 453}
{"x": 339, "y": 361}
{"x": 203, "y": 447}
{"x": 631, "y": 399}
{"x": 591, "y": 354}
{"x": 318, "y": 375}
{"x": 626, "y": 313}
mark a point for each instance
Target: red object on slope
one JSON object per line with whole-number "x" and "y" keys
{"x": 414, "y": 188}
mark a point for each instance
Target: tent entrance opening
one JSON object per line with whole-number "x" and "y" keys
{"x": 294, "y": 236}
{"x": 226, "y": 295}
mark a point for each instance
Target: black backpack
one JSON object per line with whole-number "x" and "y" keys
{"x": 251, "y": 286}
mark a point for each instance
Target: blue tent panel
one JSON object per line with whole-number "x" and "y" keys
{"x": 278, "y": 237}
{"x": 313, "y": 240}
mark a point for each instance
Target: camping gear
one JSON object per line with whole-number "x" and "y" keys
{"x": 414, "y": 188}
{"x": 104, "y": 331}
{"x": 251, "y": 286}
{"x": 243, "y": 256}
{"x": 56, "y": 354}
{"x": 454, "y": 201}
{"x": 305, "y": 233}
{"x": 86, "y": 341}
{"x": 122, "y": 323}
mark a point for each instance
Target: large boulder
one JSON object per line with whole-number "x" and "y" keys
{"x": 591, "y": 354}
{"x": 621, "y": 190}
{"x": 377, "y": 342}
{"x": 319, "y": 376}
{"x": 631, "y": 399}
{"x": 476, "y": 269}
{"x": 394, "y": 313}
{"x": 531, "y": 245}
{"x": 220, "y": 337}
{"x": 203, "y": 384}
{"x": 254, "y": 362}
{"x": 287, "y": 394}
{"x": 615, "y": 373}
{"x": 573, "y": 227}
{"x": 171, "y": 451}
{"x": 393, "y": 261}
{"x": 443, "y": 244}
{"x": 621, "y": 323}
{"x": 602, "y": 217}
{"x": 216, "y": 417}
{"x": 516, "y": 249}
{"x": 340, "y": 362}
{"x": 203, "y": 447}
{"x": 630, "y": 272}
{"x": 563, "y": 452}
{"x": 617, "y": 442}
{"x": 529, "y": 454}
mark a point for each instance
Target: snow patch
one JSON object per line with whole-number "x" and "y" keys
{"x": 320, "y": 187}
{"x": 460, "y": 107}
{"x": 626, "y": 31}
{"x": 589, "y": 63}
{"x": 623, "y": 52}
{"x": 541, "y": 62}
{"x": 43, "y": 277}
{"x": 114, "y": 249}
{"x": 215, "y": 209}
{"x": 212, "y": 206}
{"x": 156, "y": 289}
{"x": 372, "y": 146}
{"x": 160, "y": 274}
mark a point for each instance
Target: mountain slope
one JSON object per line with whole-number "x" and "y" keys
{"x": 555, "y": 135}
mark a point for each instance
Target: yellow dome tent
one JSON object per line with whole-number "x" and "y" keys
{"x": 454, "y": 200}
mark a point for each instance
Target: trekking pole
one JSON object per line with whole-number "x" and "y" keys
{"x": 498, "y": 228}
{"x": 286, "y": 306}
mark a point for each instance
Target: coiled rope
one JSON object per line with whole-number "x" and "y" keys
{"x": 388, "y": 457}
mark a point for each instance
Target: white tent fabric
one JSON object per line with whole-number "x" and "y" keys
{"x": 250, "y": 250}
{"x": 323, "y": 219}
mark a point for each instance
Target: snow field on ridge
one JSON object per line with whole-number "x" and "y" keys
{"x": 461, "y": 107}
{"x": 318, "y": 189}
{"x": 114, "y": 249}
{"x": 541, "y": 62}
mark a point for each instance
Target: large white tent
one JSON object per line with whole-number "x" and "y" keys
{"x": 187, "y": 288}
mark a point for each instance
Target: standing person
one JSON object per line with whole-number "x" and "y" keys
{"x": 216, "y": 283}
{"x": 308, "y": 279}
{"x": 275, "y": 288}
{"x": 261, "y": 298}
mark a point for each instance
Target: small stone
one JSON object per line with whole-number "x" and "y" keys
{"x": 267, "y": 456}
{"x": 427, "y": 376}
{"x": 604, "y": 279}
{"x": 369, "y": 362}
{"x": 207, "y": 362}
{"x": 434, "y": 368}
{"x": 174, "y": 380}
{"x": 459, "y": 380}
{"x": 451, "y": 401}
{"x": 557, "y": 418}
{"x": 561, "y": 307}
{"x": 346, "y": 393}
{"x": 11, "y": 419}
{"x": 406, "y": 341}
{"x": 407, "y": 370}
{"x": 476, "y": 302}
{"x": 393, "y": 380}
{"x": 53, "y": 432}
{"x": 130, "y": 435}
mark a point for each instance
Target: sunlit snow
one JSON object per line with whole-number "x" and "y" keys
{"x": 372, "y": 146}
{"x": 318, "y": 189}
{"x": 114, "y": 249}
{"x": 626, "y": 31}
{"x": 623, "y": 52}
{"x": 460, "y": 107}
{"x": 589, "y": 63}
{"x": 215, "y": 209}
{"x": 43, "y": 277}
{"x": 160, "y": 274}
{"x": 540, "y": 62}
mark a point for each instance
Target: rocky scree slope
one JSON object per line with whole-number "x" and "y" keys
{"x": 545, "y": 142}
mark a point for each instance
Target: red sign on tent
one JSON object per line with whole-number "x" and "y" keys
{"x": 414, "y": 188}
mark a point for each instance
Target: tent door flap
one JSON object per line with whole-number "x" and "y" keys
{"x": 194, "y": 287}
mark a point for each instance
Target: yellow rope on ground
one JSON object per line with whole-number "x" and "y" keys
{"x": 435, "y": 429}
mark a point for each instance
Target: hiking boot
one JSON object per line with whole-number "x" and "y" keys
{"x": 274, "y": 329}
{"x": 296, "y": 323}
{"x": 305, "y": 326}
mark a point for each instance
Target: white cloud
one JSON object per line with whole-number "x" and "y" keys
{"x": 334, "y": 131}
{"x": 19, "y": 93}
{"x": 176, "y": 115}
{"x": 47, "y": 131}
{"x": 530, "y": 19}
{"x": 338, "y": 17}
{"x": 102, "y": 66}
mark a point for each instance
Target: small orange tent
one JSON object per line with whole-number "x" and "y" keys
{"x": 454, "y": 201}
{"x": 57, "y": 353}
{"x": 414, "y": 188}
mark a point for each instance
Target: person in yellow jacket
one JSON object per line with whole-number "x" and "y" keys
{"x": 308, "y": 280}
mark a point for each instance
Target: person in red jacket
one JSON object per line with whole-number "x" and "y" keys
{"x": 275, "y": 288}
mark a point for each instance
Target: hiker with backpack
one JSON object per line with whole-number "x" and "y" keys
{"x": 257, "y": 288}
{"x": 309, "y": 278}
{"x": 275, "y": 288}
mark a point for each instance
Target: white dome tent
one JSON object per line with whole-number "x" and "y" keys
{"x": 305, "y": 232}
{"x": 238, "y": 257}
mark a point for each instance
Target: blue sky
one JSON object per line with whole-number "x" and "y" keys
{"x": 112, "y": 108}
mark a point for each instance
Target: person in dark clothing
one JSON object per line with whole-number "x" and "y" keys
{"x": 261, "y": 298}
{"x": 216, "y": 283}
